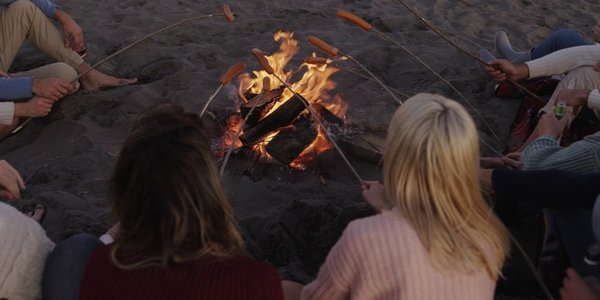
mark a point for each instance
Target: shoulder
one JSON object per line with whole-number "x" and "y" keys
{"x": 248, "y": 266}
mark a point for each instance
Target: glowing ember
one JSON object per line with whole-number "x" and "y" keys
{"x": 314, "y": 86}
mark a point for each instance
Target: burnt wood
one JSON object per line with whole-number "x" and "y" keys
{"x": 263, "y": 103}
{"x": 282, "y": 116}
{"x": 292, "y": 140}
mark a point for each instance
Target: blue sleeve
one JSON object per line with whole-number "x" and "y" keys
{"x": 15, "y": 88}
{"x": 47, "y": 6}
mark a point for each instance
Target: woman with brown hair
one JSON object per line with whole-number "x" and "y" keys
{"x": 177, "y": 237}
{"x": 435, "y": 237}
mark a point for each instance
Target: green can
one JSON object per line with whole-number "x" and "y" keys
{"x": 560, "y": 109}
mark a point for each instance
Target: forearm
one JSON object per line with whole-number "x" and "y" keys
{"x": 563, "y": 61}
{"x": 546, "y": 189}
{"x": 545, "y": 153}
{"x": 16, "y": 88}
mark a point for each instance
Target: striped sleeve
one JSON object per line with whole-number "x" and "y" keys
{"x": 7, "y": 113}
{"x": 581, "y": 157}
{"x": 564, "y": 60}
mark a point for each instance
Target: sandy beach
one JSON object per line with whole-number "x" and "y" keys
{"x": 289, "y": 217}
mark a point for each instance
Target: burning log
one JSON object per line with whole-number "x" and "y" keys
{"x": 282, "y": 116}
{"x": 326, "y": 115}
{"x": 291, "y": 141}
{"x": 262, "y": 102}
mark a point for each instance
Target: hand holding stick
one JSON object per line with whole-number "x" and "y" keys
{"x": 236, "y": 69}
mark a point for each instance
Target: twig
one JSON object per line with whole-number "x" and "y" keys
{"x": 316, "y": 117}
{"x": 143, "y": 39}
{"x": 235, "y": 138}
{"x": 459, "y": 93}
{"x": 369, "y": 78}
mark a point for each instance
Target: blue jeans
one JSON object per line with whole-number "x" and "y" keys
{"x": 65, "y": 267}
{"x": 560, "y": 39}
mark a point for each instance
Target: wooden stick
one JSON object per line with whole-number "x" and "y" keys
{"x": 237, "y": 68}
{"x": 459, "y": 93}
{"x": 265, "y": 65}
{"x": 235, "y": 138}
{"x": 515, "y": 241}
{"x": 364, "y": 25}
{"x": 332, "y": 51}
{"x": 143, "y": 39}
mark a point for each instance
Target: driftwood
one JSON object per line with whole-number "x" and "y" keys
{"x": 326, "y": 115}
{"x": 366, "y": 146}
{"x": 292, "y": 140}
{"x": 262, "y": 103}
{"x": 282, "y": 116}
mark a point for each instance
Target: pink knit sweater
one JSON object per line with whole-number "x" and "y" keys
{"x": 381, "y": 257}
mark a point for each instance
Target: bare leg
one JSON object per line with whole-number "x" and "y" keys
{"x": 95, "y": 80}
{"x": 23, "y": 19}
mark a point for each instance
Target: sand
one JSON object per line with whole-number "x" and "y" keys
{"x": 288, "y": 217}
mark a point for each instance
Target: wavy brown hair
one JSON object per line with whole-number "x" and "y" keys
{"x": 167, "y": 196}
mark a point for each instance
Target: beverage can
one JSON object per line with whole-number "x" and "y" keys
{"x": 560, "y": 109}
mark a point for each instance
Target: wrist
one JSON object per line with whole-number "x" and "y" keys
{"x": 61, "y": 16}
{"x": 20, "y": 109}
{"x": 522, "y": 72}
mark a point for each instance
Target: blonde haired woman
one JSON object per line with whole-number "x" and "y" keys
{"x": 435, "y": 237}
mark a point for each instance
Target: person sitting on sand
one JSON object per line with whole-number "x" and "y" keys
{"x": 578, "y": 87}
{"x": 177, "y": 237}
{"x": 557, "y": 40}
{"x": 24, "y": 245}
{"x": 21, "y": 20}
{"x": 434, "y": 236}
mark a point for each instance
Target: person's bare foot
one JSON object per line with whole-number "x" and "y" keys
{"x": 95, "y": 80}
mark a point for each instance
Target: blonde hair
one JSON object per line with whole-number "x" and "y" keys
{"x": 431, "y": 176}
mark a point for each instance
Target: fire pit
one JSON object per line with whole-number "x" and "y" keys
{"x": 279, "y": 127}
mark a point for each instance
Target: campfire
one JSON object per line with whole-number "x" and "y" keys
{"x": 279, "y": 127}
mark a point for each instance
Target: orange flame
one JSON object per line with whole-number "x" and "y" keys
{"x": 314, "y": 86}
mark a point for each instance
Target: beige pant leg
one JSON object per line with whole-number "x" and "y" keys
{"x": 57, "y": 70}
{"x": 23, "y": 20}
{"x": 584, "y": 78}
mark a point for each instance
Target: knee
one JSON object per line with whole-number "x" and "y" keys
{"x": 567, "y": 33}
{"x": 20, "y": 7}
{"x": 64, "y": 72}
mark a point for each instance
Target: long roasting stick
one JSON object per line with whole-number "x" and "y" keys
{"x": 226, "y": 12}
{"x": 332, "y": 51}
{"x": 325, "y": 61}
{"x": 369, "y": 28}
{"x": 513, "y": 238}
{"x": 236, "y": 69}
{"x": 235, "y": 138}
{"x": 260, "y": 56}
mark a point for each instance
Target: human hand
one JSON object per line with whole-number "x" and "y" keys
{"x": 502, "y": 69}
{"x": 11, "y": 183}
{"x": 51, "y": 88}
{"x": 35, "y": 107}
{"x": 574, "y": 98}
{"x": 550, "y": 125}
{"x": 72, "y": 33}
{"x": 575, "y": 288}
{"x": 3, "y": 74}
{"x": 373, "y": 194}
{"x": 513, "y": 160}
